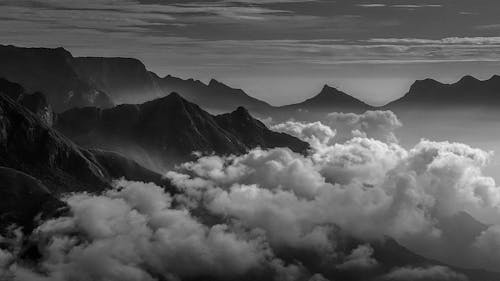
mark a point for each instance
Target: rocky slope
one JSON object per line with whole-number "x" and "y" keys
{"x": 52, "y": 72}
{"x": 169, "y": 129}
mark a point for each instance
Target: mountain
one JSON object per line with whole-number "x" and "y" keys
{"x": 38, "y": 165}
{"x": 28, "y": 145}
{"x": 126, "y": 80}
{"x": 168, "y": 130}
{"x": 50, "y": 71}
{"x": 70, "y": 81}
{"x": 315, "y": 108}
{"x": 214, "y": 96}
{"x": 36, "y": 102}
{"x": 22, "y": 198}
{"x": 468, "y": 92}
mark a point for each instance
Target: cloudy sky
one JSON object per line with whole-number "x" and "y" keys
{"x": 278, "y": 50}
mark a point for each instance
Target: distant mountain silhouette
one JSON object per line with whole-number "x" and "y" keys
{"x": 468, "y": 92}
{"x": 170, "y": 129}
{"x": 315, "y": 108}
{"x": 50, "y": 71}
{"x": 126, "y": 80}
{"x": 99, "y": 81}
{"x": 330, "y": 100}
{"x": 214, "y": 96}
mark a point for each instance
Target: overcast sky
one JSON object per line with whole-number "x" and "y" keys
{"x": 278, "y": 50}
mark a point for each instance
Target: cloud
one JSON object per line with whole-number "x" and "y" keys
{"x": 133, "y": 233}
{"x": 359, "y": 259}
{"x": 447, "y": 40}
{"x": 379, "y": 125}
{"x": 317, "y": 134}
{"x": 438, "y": 273}
{"x": 368, "y": 188}
{"x": 276, "y": 214}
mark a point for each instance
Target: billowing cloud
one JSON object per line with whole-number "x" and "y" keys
{"x": 360, "y": 259}
{"x": 378, "y": 125}
{"x": 438, "y": 273}
{"x": 276, "y": 214}
{"x": 316, "y": 133}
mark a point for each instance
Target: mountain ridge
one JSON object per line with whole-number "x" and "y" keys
{"x": 170, "y": 129}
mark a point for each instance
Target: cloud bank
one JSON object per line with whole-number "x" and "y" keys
{"x": 277, "y": 215}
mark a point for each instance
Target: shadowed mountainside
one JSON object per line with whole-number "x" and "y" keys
{"x": 50, "y": 71}
{"x": 169, "y": 129}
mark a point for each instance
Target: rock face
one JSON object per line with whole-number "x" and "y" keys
{"x": 468, "y": 92}
{"x": 38, "y": 164}
{"x": 170, "y": 128}
{"x": 36, "y": 102}
{"x": 52, "y": 72}
{"x": 28, "y": 145}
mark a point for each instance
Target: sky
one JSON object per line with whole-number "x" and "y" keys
{"x": 281, "y": 51}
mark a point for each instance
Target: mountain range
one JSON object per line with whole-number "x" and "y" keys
{"x": 42, "y": 158}
{"x": 70, "y": 81}
{"x": 167, "y": 130}
{"x": 468, "y": 92}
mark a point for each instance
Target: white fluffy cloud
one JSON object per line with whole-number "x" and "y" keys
{"x": 368, "y": 188}
{"x": 133, "y": 233}
{"x": 378, "y": 125}
{"x": 276, "y": 214}
{"x": 438, "y": 273}
{"x": 317, "y": 134}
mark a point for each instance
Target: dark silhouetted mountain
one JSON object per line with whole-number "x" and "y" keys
{"x": 169, "y": 129}
{"x": 50, "y": 71}
{"x": 313, "y": 109}
{"x": 28, "y": 145}
{"x": 36, "y": 102}
{"x": 32, "y": 147}
{"x": 118, "y": 166}
{"x": 126, "y": 80}
{"x": 22, "y": 198}
{"x": 214, "y": 96}
{"x": 468, "y": 92}
{"x": 254, "y": 133}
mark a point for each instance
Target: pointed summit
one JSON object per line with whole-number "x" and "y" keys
{"x": 467, "y": 80}
{"x": 330, "y": 99}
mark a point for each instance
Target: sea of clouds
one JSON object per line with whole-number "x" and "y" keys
{"x": 278, "y": 215}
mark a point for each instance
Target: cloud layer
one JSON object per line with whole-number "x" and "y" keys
{"x": 277, "y": 215}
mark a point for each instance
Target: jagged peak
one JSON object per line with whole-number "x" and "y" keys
{"x": 242, "y": 112}
{"x": 214, "y": 82}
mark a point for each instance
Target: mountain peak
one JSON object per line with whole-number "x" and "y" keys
{"x": 467, "y": 80}
{"x": 328, "y": 88}
{"x": 241, "y": 113}
{"x": 494, "y": 78}
{"x": 214, "y": 82}
{"x": 174, "y": 95}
